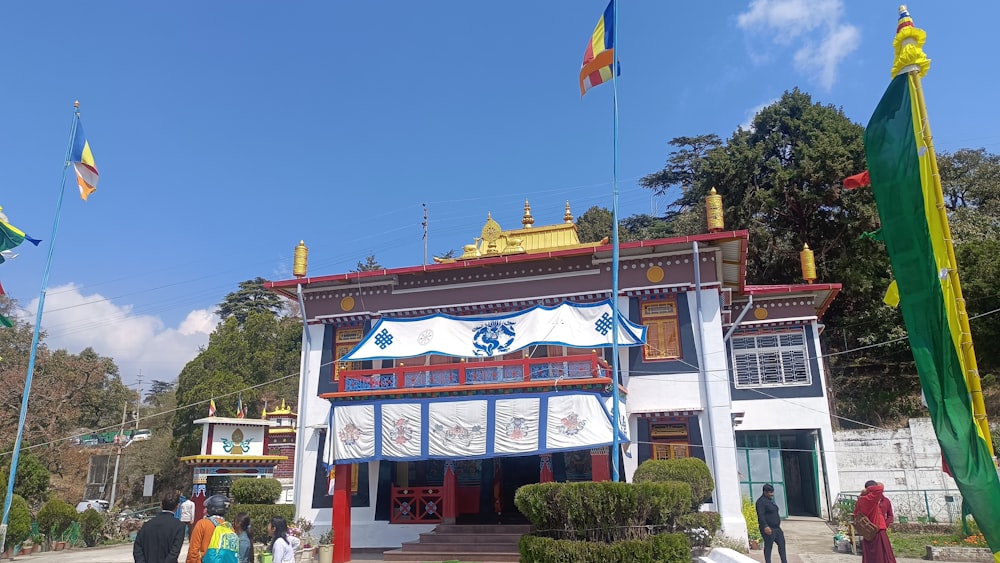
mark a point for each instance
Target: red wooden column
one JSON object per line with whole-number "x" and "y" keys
{"x": 342, "y": 513}
{"x": 450, "y": 509}
{"x": 545, "y": 468}
{"x": 599, "y": 468}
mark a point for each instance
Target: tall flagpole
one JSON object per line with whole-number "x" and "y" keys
{"x": 615, "y": 399}
{"x": 34, "y": 337}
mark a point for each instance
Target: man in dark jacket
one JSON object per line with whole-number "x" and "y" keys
{"x": 160, "y": 540}
{"x": 769, "y": 521}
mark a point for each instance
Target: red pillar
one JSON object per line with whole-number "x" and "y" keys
{"x": 450, "y": 509}
{"x": 545, "y": 469}
{"x": 342, "y": 513}
{"x": 599, "y": 468}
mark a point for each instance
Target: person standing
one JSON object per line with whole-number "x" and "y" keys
{"x": 281, "y": 548}
{"x": 769, "y": 520}
{"x": 241, "y": 524}
{"x": 885, "y": 505}
{"x": 187, "y": 515}
{"x": 160, "y": 540}
{"x": 878, "y": 549}
{"x": 201, "y": 534}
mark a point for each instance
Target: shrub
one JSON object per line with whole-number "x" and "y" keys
{"x": 18, "y": 521}
{"x": 91, "y": 526}
{"x": 709, "y": 521}
{"x": 56, "y": 517}
{"x": 668, "y": 548}
{"x": 750, "y": 515}
{"x": 691, "y": 470}
{"x": 256, "y": 491}
{"x": 260, "y": 516}
{"x": 603, "y": 511}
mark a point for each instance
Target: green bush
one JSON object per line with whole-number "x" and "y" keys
{"x": 256, "y": 491}
{"x": 260, "y": 517}
{"x": 18, "y": 521}
{"x": 56, "y": 517}
{"x": 750, "y": 515}
{"x": 662, "y": 548}
{"x": 691, "y": 470}
{"x": 603, "y": 511}
{"x": 91, "y": 527}
{"x": 710, "y": 521}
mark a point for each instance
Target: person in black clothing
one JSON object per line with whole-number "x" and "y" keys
{"x": 160, "y": 540}
{"x": 770, "y": 524}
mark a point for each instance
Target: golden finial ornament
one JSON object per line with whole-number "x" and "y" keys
{"x": 527, "y": 220}
{"x": 808, "y": 262}
{"x": 301, "y": 260}
{"x": 713, "y": 212}
{"x": 568, "y": 216}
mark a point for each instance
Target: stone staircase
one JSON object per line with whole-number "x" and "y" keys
{"x": 450, "y": 542}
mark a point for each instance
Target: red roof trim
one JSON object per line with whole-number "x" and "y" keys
{"x": 832, "y": 288}
{"x": 512, "y": 259}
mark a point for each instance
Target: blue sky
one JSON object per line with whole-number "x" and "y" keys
{"x": 227, "y": 131}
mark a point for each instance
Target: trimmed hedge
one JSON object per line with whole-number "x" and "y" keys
{"x": 603, "y": 511}
{"x": 691, "y": 470}
{"x": 260, "y": 517}
{"x": 91, "y": 527}
{"x": 710, "y": 521}
{"x": 662, "y": 548}
{"x": 55, "y": 517}
{"x": 18, "y": 521}
{"x": 249, "y": 490}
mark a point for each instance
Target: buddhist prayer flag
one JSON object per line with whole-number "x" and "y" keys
{"x": 902, "y": 168}
{"x": 11, "y": 236}
{"x": 83, "y": 163}
{"x": 211, "y": 408}
{"x": 599, "y": 58}
{"x": 239, "y": 406}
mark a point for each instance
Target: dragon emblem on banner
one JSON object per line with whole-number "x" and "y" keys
{"x": 571, "y": 425}
{"x": 349, "y": 434}
{"x": 458, "y": 433}
{"x": 493, "y": 337}
{"x": 517, "y": 428}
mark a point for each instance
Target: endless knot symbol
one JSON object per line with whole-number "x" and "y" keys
{"x": 424, "y": 337}
{"x": 603, "y": 324}
{"x": 383, "y": 339}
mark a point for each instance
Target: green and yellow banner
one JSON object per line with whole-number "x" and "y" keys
{"x": 903, "y": 176}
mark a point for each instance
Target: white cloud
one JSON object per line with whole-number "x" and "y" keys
{"x": 752, "y": 113}
{"x": 813, "y": 28}
{"x": 74, "y": 321}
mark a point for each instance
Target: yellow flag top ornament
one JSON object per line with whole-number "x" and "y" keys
{"x": 907, "y": 190}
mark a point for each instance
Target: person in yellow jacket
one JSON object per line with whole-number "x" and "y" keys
{"x": 215, "y": 512}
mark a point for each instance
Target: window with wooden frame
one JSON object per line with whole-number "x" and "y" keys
{"x": 662, "y": 329}
{"x": 670, "y": 441}
{"x": 345, "y": 340}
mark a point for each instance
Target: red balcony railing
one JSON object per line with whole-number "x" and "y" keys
{"x": 416, "y": 505}
{"x": 517, "y": 372}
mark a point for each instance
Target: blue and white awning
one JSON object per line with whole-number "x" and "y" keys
{"x": 578, "y": 325}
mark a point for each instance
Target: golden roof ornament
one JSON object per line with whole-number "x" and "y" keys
{"x": 527, "y": 220}
{"x": 807, "y": 260}
{"x": 301, "y": 260}
{"x": 713, "y": 212}
{"x": 568, "y": 216}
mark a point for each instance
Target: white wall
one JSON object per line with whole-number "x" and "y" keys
{"x": 313, "y": 415}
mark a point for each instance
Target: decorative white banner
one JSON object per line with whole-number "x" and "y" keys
{"x": 517, "y": 426}
{"x": 469, "y": 428}
{"x": 568, "y": 324}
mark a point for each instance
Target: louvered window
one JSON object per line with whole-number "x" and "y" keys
{"x": 662, "y": 331}
{"x": 771, "y": 359}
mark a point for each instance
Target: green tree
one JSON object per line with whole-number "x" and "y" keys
{"x": 251, "y": 297}
{"x": 782, "y": 180}
{"x": 970, "y": 180}
{"x": 32, "y": 481}
{"x": 160, "y": 392}
{"x": 370, "y": 264}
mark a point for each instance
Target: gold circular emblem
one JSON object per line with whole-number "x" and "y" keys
{"x": 760, "y": 313}
{"x": 347, "y": 303}
{"x": 654, "y": 274}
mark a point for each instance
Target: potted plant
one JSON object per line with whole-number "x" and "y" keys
{"x": 37, "y": 541}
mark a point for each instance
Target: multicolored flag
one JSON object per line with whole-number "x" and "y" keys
{"x": 11, "y": 236}
{"x": 239, "y": 407}
{"x": 599, "y": 58}
{"x": 211, "y": 408}
{"x": 903, "y": 172}
{"x": 83, "y": 163}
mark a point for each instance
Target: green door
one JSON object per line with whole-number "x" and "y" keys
{"x": 759, "y": 462}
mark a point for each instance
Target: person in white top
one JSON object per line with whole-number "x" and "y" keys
{"x": 282, "y": 550}
{"x": 187, "y": 515}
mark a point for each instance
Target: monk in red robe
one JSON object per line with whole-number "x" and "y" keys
{"x": 878, "y": 550}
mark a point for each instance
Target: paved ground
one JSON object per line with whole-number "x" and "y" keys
{"x": 117, "y": 554}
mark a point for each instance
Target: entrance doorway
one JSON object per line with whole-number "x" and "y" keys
{"x": 786, "y": 460}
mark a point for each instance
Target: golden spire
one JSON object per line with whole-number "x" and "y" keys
{"x": 300, "y": 260}
{"x": 713, "y": 212}
{"x": 568, "y": 216}
{"x": 527, "y": 220}
{"x": 807, "y": 261}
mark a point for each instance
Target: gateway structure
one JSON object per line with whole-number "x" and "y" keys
{"x": 430, "y": 393}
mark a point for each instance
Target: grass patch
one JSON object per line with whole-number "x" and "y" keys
{"x": 915, "y": 545}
